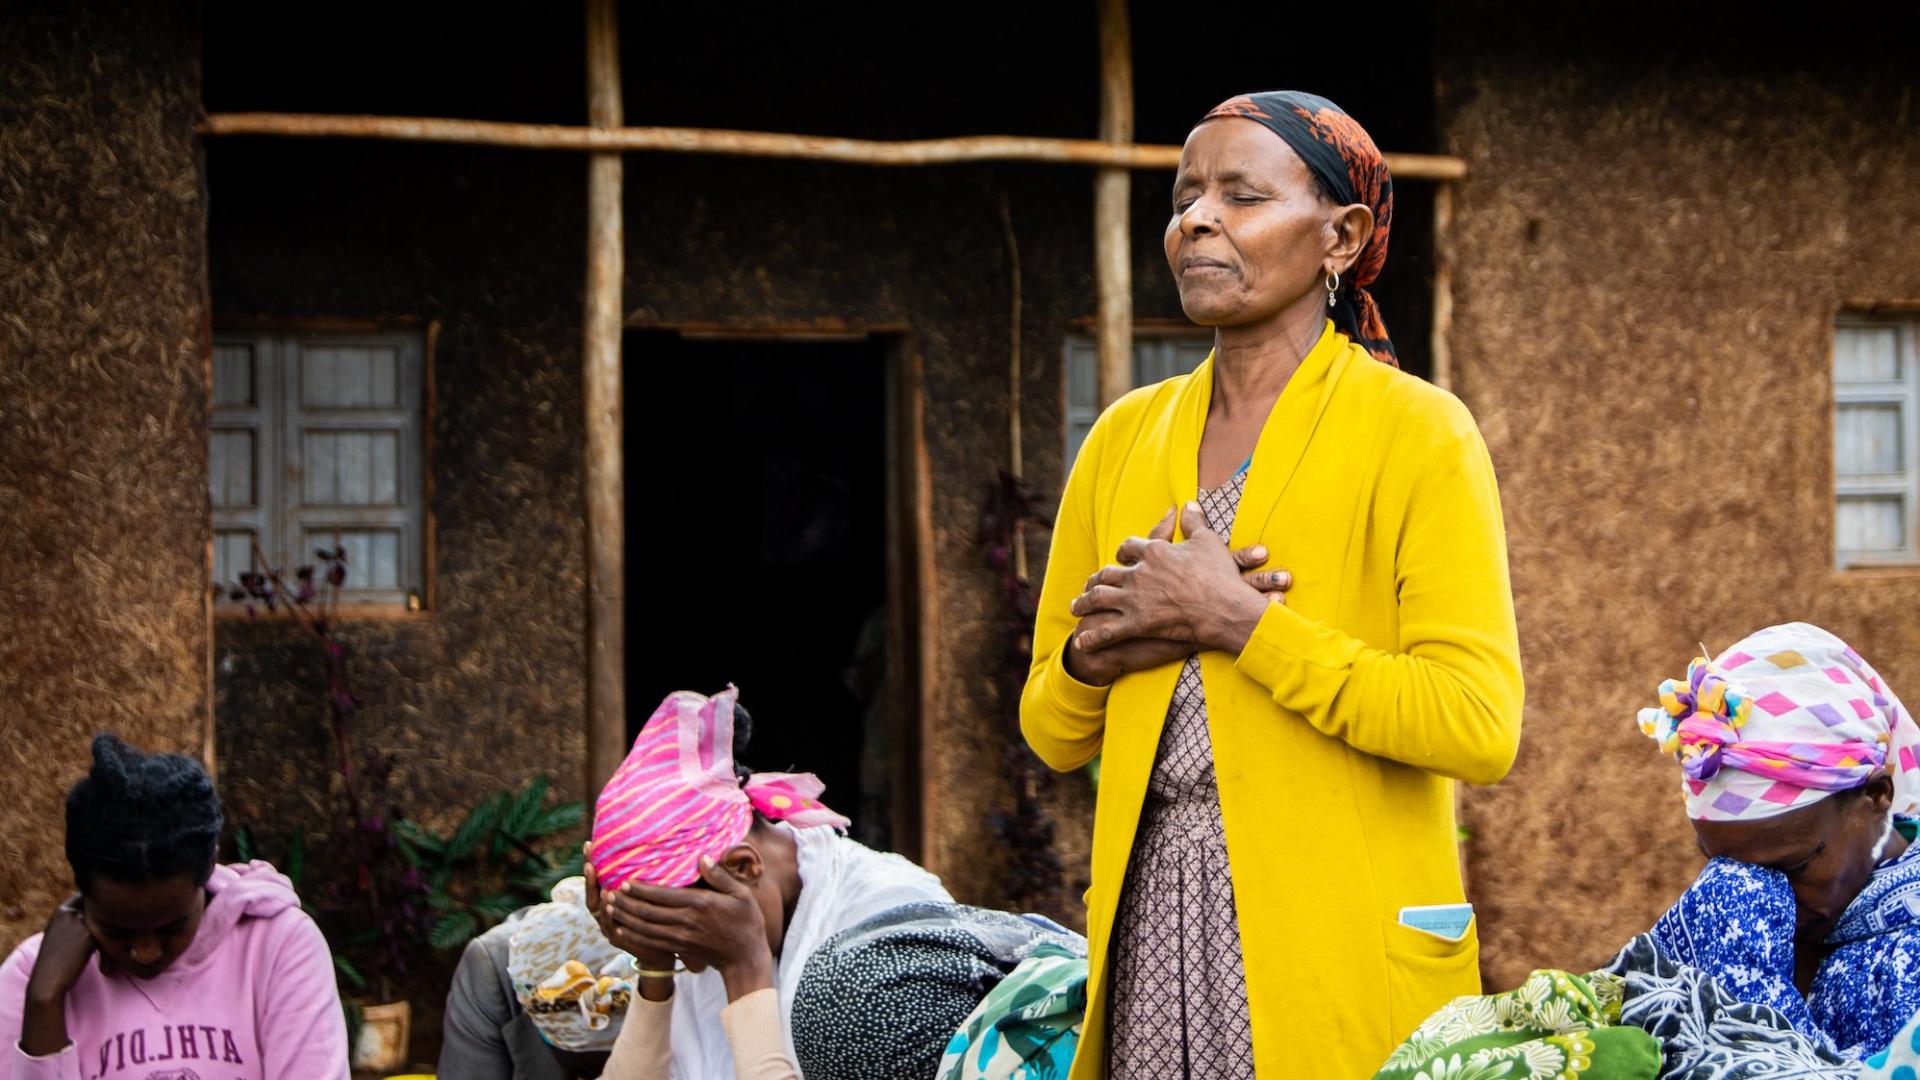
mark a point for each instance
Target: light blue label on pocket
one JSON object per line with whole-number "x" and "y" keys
{"x": 1449, "y": 921}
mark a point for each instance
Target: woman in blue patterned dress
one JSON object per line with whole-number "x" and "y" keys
{"x": 1800, "y": 777}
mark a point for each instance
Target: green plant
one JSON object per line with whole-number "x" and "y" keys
{"x": 494, "y": 862}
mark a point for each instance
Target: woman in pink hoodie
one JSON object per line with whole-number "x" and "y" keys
{"x": 167, "y": 966}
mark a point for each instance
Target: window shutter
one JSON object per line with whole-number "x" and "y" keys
{"x": 1189, "y": 353}
{"x": 1874, "y": 453}
{"x": 241, "y": 478}
{"x": 352, "y": 446}
{"x": 1083, "y": 395}
{"x": 1155, "y": 359}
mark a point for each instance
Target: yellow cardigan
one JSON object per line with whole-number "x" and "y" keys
{"x": 1394, "y": 665}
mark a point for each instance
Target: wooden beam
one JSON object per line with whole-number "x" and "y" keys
{"x": 1112, "y": 209}
{"x": 604, "y": 470}
{"x": 758, "y": 144}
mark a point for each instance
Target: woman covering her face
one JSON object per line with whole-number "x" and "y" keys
{"x": 1798, "y": 767}
{"x": 1277, "y": 606}
{"x": 721, "y": 883}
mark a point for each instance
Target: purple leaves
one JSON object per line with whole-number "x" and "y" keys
{"x": 1014, "y": 514}
{"x": 377, "y": 895}
{"x": 269, "y": 588}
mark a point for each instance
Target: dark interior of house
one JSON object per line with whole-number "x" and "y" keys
{"x": 757, "y": 546}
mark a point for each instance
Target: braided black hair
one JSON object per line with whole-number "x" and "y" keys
{"x": 742, "y": 737}
{"x": 140, "y": 817}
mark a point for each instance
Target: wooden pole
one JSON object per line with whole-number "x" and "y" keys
{"x": 1112, "y": 255}
{"x": 757, "y": 144}
{"x": 604, "y": 468}
{"x": 1016, "y": 458}
{"x": 1441, "y": 345}
{"x": 209, "y": 728}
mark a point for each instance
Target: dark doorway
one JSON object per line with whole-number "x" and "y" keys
{"x": 760, "y": 542}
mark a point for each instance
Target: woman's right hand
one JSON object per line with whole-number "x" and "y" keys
{"x": 654, "y": 989}
{"x": 65, "y": 949}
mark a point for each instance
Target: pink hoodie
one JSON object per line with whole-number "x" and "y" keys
{"x": 253, "y": 998}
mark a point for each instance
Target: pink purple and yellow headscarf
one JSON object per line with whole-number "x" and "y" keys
{"x": 677, "y": 797}
{"x": 1784, "y": 718}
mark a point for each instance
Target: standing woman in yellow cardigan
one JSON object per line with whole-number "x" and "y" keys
{"x": 1277, "y": 604}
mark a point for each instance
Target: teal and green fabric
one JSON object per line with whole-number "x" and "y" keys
{"x": 1555, "y": 1026}
{"x": 1026, "y": 1028}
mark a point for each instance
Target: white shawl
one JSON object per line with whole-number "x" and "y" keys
{"x": 842, "y": 882}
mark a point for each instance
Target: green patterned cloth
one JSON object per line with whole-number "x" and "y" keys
{"x": 1556, "y": 1026}
{"x": 1026, "y": 1028}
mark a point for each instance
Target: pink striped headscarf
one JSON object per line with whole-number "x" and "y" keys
{"x": 676, "y": 797}
{"x": 1786, "y": 717}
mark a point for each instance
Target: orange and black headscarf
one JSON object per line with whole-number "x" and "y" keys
{"x": 1341, "y": 156}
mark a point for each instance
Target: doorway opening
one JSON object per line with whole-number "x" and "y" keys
{"x": 771, "y": 544}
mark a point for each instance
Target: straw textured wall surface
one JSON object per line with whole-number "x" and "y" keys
{"x": 103, "y": 353}
{"x": 1652, "y": 248}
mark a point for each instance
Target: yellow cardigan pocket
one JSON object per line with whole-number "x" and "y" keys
{"x": 1425, "y": 971}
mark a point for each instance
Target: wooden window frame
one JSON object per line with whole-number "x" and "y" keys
{"x": 282, "y": 518}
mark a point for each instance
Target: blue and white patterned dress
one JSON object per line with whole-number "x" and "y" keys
{"x": 1736, "y": 923}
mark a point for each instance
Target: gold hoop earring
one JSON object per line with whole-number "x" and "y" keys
{"x": 1333, "y": 286}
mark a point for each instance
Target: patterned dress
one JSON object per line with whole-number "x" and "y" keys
{"x": 1179, "y": 999}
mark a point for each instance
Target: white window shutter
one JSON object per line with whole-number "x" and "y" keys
{"x": 353, "y": 444}
{"x": 242, "y": 479}
{"x": 1875, "y": 469}
{"x": 1155, "y": 359}
{"x": 1082, "y": 363}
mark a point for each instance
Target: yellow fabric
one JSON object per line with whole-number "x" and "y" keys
{"x": 1393, "y": 666}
